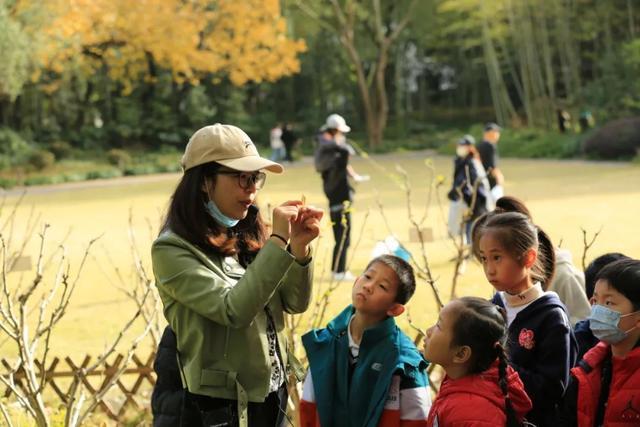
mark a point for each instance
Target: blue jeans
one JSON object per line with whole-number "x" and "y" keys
{"x": 277, "y": 154}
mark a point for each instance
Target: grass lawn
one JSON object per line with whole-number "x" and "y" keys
{"x": 562, "y": 195}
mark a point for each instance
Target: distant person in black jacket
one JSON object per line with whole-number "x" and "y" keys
{"x": 332, "y": 162}
{"x": 518, "y": 260}
{"x": 488, "y": 149}
{"x": 289, "y": 139}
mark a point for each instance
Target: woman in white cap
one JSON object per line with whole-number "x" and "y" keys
{"x": 225, "y": 284}
{"x": 332, "y": 162}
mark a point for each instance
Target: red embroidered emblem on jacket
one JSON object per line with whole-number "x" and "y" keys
{"x": 526, "y": 339}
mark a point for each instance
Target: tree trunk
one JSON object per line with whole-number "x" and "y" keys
{"x": 5, "y": 106}
{"x": 15, "y": 118}
{"x": 423, "y": 96}
{"x": 521, "y": 45}
{"x": 505, "y": 112}
{"x": 382, "y": 101}
{"x": 399, "y": 93}
{"x": 149, "y": 87}
{"x": 568, "y": 52}
{"x": 547, "y": 56}
{"x": 373, "y": 92}
{"x": 106, "y": 107}
{"x": 632, "y": 25}
{"x": 84, "y": 103}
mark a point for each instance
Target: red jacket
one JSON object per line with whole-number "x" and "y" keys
{"x": 476, "y": 400}
{"x": 623, "y": 404}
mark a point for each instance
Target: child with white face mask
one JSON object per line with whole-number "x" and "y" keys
{"x": 605, "y": 386}
{"x": 462, "y": 150}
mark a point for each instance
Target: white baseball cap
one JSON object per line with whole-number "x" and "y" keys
{"x": 336, "y": 121}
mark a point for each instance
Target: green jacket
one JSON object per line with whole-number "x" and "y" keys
{"x": 217, "y": 310}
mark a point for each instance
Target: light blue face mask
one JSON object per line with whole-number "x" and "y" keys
{"x": 218, "y": 216}
{"x": 604, "y": 324}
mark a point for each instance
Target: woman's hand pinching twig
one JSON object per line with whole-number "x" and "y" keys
{"x": 304, "y": 230}
{"x": 283, "y": 216}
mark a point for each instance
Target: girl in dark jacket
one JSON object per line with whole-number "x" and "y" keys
{"x": 518, "y": 261}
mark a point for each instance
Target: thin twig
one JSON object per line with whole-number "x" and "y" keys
{"x": 421, "y": 333}
{"x": 587, "y": 245}
{"x": 5, "y": 414}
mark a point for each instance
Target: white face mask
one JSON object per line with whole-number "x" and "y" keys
{"x": 462, "y": 151}
{"x": 340, "y": 138}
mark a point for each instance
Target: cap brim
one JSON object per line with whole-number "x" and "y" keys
{"x": 252, "y": 163}
{"x": 344, "y": 129}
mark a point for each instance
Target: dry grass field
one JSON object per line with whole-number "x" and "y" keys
{"x": 564, "y": 196}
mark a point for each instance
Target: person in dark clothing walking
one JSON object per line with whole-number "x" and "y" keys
{"x": 289, "y": 139}
{"x": 488, "y": 150}
{"x": 332, "y": 162}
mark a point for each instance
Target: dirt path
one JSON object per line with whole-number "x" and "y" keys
{"x": 113, "y": 182}
{"x": 306, "y": 161}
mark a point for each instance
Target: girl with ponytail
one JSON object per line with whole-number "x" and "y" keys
{"x": 479, "y": 388}
{"x": 518, "y": 260}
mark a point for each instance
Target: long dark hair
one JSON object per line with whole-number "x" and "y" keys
{"x": 188, "y": 218}
{"x": 517, "y": 234}
{"x": 482, "y": 326}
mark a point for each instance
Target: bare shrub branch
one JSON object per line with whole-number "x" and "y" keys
{"x": 586, "y": 245}
{"x": 30, "y": 315}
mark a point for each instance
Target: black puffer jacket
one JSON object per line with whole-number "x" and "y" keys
{"x": 168, "y": 401}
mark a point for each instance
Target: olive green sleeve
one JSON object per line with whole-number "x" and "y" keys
{"x": 296, "y": 288}
{"x": 183, "y": 277}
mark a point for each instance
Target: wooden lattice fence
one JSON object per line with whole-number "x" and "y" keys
{"x": 56, "y": 372}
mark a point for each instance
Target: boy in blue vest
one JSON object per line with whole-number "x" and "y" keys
{"x": 363, "y": 370}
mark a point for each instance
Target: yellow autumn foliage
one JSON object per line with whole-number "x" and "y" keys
{"x": 245, "y": 40}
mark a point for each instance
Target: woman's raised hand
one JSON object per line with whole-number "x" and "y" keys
{"x": 283, "y": 216}
{"x": 304, "y": 229}
{"x": 300, "y": 223}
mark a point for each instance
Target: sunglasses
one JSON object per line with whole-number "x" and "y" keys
{"x": 247, "y": 179}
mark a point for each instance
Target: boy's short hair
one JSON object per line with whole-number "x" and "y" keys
{"x": 404, "y": 272}
{"x": 624, "y": 276}
{"x": 594, "y": 267}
